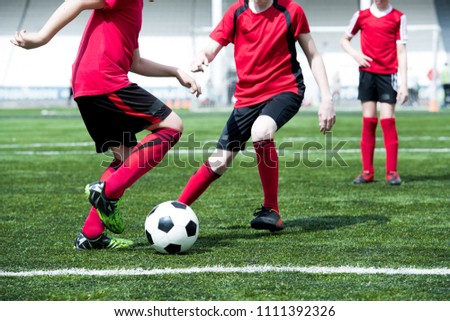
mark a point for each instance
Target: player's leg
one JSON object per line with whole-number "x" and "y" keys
{"x": 216, "y": 165}
{"x": 122, "y": 114}
{"x": 146, "y": 155}
{"x": 387, "y": 85}
{"x": 274, "y": 114}
{"x": 92, "y": 234}
{"x": 234, "y": 135}
{"x": 263, "y": 131}
{"x": 368, "y": 140}
{"x": 368, "y": 96}
{"x": 390, "y": 136}
{"x": 93, "y": 226}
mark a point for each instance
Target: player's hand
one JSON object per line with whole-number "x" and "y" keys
{"x": 327, "y": 115}
{"x": 362, "y": 59}
{"x": 402, "y": 95}
{"x": 199, "y": 62}
{"x": 27, "y": 40}
{"x": 189, "y": 82}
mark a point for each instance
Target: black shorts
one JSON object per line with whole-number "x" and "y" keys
{"x": 281, "y": 108}
{"x": 377, "y": 87}
{"x": 114, "y": 119}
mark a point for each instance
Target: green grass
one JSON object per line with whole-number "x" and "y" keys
{"x": 330, "y": 222}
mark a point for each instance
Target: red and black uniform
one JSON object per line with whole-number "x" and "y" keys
{"x": 113, "y": 108}
{"x": 381, "y": 32}
{"x": 264, "y": 49}
{"x": 270, "y": 83}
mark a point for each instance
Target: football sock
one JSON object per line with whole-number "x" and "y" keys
{"x": 93, "y": 226}
{"x": 267, "y": 158}
{"x": 198, "y": 183}
{"x": 146, "y": 155}
{"x": 390, "y": 143}
{"x": 368, "y": 139}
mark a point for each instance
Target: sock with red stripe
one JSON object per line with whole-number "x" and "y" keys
{"x": 390, "y": 143}
{"x": 368, "y": 140}
{"x": 145, "y": 156}
{"x": 93, "y": 226}
{"x": 198, "y": 183}
{"x": 267, "y": 158}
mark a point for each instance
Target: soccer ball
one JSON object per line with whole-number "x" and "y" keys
{"x": 171, "y": 227}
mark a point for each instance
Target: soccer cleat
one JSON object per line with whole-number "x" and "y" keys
{"x": 393, "y": 178}
{"x": 82, "y": 242}
{"x": 363, "y": 178}
{"x": 267, "y": 219}
{"x": 107, "y": 209}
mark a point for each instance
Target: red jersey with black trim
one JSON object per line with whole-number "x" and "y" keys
{"x": 381, "y": 31}
{"x": 264, "y": 49}
{"x": 106, "y": 50}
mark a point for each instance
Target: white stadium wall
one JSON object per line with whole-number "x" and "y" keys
{"x": 174, "y": 30}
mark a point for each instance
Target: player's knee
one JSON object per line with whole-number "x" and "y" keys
{"x": 264, "y": 128}
{"x": 220, "y": 163}
{"x": 259, "y": 134}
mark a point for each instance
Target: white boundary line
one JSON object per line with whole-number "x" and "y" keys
{"x": 221, "y": 269}
{"x": 200, "y": 151}
{"x": 285, "y": 139}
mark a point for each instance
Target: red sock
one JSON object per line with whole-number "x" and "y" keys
{"x": 93, "y": 226}
{"x": 197, "y": 184}
{"x": 390, "y": 143}
{"x": 145, "y": 156}
{"x": 267, "y": 157}
{"x": 368, "y": 140}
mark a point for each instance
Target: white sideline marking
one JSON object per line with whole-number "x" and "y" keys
{"x": 220, "y": 269}
{"x": 200, "y": 151}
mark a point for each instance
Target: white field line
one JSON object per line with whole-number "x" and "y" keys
{"x": 220, "y": 269}
{"x": 8, "y": 149}
{"x": 286, "y": 139}
{"x": 249, "y": 151}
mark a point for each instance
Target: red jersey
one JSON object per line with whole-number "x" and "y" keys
{"x": 106, "y": 50}
{"x": 380, "y": 33}
{"x": 264, "y": 49}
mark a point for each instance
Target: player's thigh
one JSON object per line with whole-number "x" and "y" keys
{"x": 369, "y": 109}
{"x": 367, "y": 88}
{"x": 387, "y": 88}
{"x": 275, "y": 113}
{"x": 114, "y": 119}
{"x": 237, "y": 130}
{"x": 387, "y": 110}
{"x": 172, "y": 121}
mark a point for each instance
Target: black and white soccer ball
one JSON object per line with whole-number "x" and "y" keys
{"x": 171, "y": 227}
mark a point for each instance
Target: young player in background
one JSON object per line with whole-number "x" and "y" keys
{"x": 113, "y": 108}
{"x": 269, "y": 92}
{"x": 383, "y": 45}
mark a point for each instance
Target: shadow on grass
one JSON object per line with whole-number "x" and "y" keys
{"x": 426, "y": 178}
{"x": 333, "y": 222}
{"x": 206, "y": 243}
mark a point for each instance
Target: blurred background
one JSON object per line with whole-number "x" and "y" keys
{"x": 174, "y": 30}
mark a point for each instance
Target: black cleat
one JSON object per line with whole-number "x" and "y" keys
{"x": 267, "y": 219}
{"x": 393, "y": 178}
{"x": 82, "y": 242}
{"x": 364, "y": 178}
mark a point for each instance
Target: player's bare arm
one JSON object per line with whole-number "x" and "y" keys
{"x": 149, "y": 68}
{"x": 327, "y": 115}
{"x": 62, "y": 16}
{"x": 205, "y": 56}
{"x": 359, "y": 57}
{"x": 402, "y": 95}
